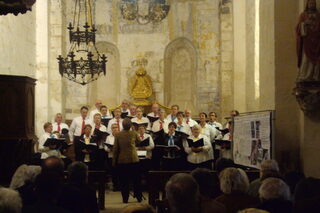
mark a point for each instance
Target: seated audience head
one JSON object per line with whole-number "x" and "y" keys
{"x": 269, "y": 168}
{"x": 98, "y": 104}
{"x": 48, "y": 186}
{"x": 196, "y": 129}
{"x": 172, "y": 127}
{"x": 84, "y": 112}
{"x": 274, "y": 189}
{"x": 10, "y": 201}
{"x": 207, "y": 181}
{"x": 306, "y": 196}
{"x": 182, "y": 193}
{"x": 78, "y": 173}
{"x": 104, "y": 110}
{"x": 293, "y": 178}
{"x": 126, "y": 124}
{"x": 233, "y": 180}
{"x": 53, "y": 164}
{"x": 138, "y": 208}
{"x": 213, "y": 116}
{"x": 253, "y": 210}
{"x": 223, "y": 163}
{"x": 23, "y": 175}
{"x": 48, "y": 127}
{"x": 125, "y": 104}
{"x": 174, "y": 109}
{"x": 58, "y": 118}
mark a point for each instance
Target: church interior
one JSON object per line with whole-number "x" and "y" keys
{"x": 202, "y": 55}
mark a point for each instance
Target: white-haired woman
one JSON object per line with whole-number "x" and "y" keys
{"x": 234, "y": 184}
{"x": 23, "y": 181}
{"x": 199, "y": 156}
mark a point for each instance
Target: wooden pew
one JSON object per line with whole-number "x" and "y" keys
{"x": 157, "y": 180}
{"x": 97, "y": 180}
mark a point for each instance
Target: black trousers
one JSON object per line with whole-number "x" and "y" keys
{"x": 79, "y": 155}
{"x": 129, "y": 173}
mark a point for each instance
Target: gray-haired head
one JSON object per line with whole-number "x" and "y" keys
{"x": 182, "y": 193}
{"x": 10, "y": 201}
{"x": 23, "y": 175}
{"x": 78, "y": 173}
{"x": 269, "y": 166}
{"x": 274, "y": 188}
{"x": 233, "y": 180}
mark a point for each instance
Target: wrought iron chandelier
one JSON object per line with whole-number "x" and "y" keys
{"x": 83, "y": 63}
{"x": 144, "y": 11}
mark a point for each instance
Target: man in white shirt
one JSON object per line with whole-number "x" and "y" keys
{"x": 132, "y": 110}
{"x": 173, "y": 116}
{"x": 188, "y": 118}
{"x": 161, "y": 123}
{"x": 125, "y": 106}
{"x": 116, "y": 120}
{"x": 77, "y": 129}
{"x": 213, "y": 122}
{"x": 154, "y": 111}
{"x": 98, "y": 104}
{"x": 47, "y": 151}
{"x": 58, "y": 125}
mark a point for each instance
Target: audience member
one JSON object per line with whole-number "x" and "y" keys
{"x": 223, "y": 163}
{"x": 275, "y": 195}
{"x": 53, "y": 164}
{"x": 209, "y": 189}
{"x": 269, "y": 168}
{"x": 77, "y": 196}
{"x": 10, "y": 201}
{"x": 23, "y": 181}
{"x": 307, "y": 196}
{"x": 182, "y": 192}
{"x": 292, "y": 179}
{"x": 234, "y": 184}
{"x": 138, "y": 208}
{"x": 253, "y": 210}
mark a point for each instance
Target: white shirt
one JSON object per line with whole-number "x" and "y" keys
{"x": 76, "y": 126}
{"x": 156, "y": 126}
{"x": 218, "y": 125}
{"x": 169, "y": 118}
{"x": 151, "y": 144}
{"x": 208, "y": 131}
{"x": 109, "y": 140}
{"x": 184, "y": 127}
{"x": 114, "y": 121}
{"x": 200, "y": 157}
{"x": 62, "y": 126}
{"x": 191, "y": 122}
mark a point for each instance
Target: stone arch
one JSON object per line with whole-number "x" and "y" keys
{"x": 180, "y": 78}
{"x": 107, "y": 88}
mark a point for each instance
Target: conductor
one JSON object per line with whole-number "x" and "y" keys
{"x": 125, "y": 158}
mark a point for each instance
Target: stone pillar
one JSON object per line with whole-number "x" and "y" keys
{"x": 287, "y": 113}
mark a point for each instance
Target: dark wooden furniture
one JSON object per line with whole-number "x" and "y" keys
{"x": 97, "y": 180}
{"x": 17, "y": 123}
{"x": 157, "y": 180}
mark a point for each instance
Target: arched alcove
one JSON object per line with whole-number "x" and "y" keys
{"x": 180, "y": 79}
{"x": 107, "y": 88}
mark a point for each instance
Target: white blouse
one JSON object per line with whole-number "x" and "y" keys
{"x": 200, "y": 157}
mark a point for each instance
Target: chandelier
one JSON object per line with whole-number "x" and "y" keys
{"x": 83, "y": 63}
{"x": 144, "y": 11}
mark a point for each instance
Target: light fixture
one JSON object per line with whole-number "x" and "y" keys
{"x": 83, "y": 63}
{"x": 144, "y": 11}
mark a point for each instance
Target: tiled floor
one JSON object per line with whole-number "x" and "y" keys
{"x": 114, "y": 201}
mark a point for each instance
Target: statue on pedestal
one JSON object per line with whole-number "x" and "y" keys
{"x": 140, "y": 85}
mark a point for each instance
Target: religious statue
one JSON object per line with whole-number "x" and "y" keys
{"x": 308, "y": 44}
{"x": 140, "y": 85}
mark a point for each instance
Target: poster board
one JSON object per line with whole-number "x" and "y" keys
{"x": 253, "y": 138}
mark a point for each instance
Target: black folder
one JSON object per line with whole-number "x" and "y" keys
{"x": 105, "y": 121}
{"x": 91, "y": 146}
{"x": 59, "y": 142}
{"x": 152, "y": 119}
{"x": 137, "y": 125}
{"x": 182, "y": 134}
{"x": 223, "y": 143}
{"x": 223, "y": 131}
{"x": 100, "y": 135}
{"x": 196, "y": 144}
{"x": 124, "y": 114}
{"x": 158, "y": 133}
{"x": 145, "y": 142}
